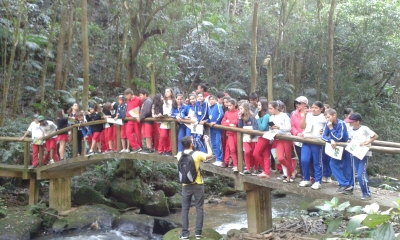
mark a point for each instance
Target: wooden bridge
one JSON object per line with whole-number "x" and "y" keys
{"x": 258, "y": 191}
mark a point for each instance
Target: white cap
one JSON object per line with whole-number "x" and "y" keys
{"x": 302, "y": 99}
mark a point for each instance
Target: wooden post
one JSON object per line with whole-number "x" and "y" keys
{"x": 74, "y": 142}
{"x": 33, "y": 191}
{"x": 259, "y": 209}
{"x": 119, "y": 147}
{"x": 268, "y": 64}
{"x": 83, "y": 148}
{"x": 60, "y": 193}
{"x": 174, "y": 139}
{"x": 26, "y": 155}
{"x": 40, "y": 155}
{"x": 240, "y": 152}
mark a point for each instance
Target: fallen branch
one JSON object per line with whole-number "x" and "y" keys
{"x": 51, "y": 214}
{"x": 127, "y": 209}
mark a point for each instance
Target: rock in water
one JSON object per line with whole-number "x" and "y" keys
{"x": 129, "y": 192}
{"x": 135, "y": 224}
{"x": 175, "y": 201}
{"x": 278, "y": 194}
{"x": 233, "y": 232}
{"x": 312, "y": 207}
{"x": 208, "y": 234}
{"x": 162, "y": 225}
{"x": 168, "y": 188}
{"x": 87, "y": 195}
{"x": 19, "y": 224}
{"x": 158, "y": 206}
{"x": 49, "y": 217}
{"x": 226, "y": 191}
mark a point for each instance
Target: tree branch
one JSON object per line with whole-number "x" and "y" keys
{"x": 153, "y": 32}
{"x": 151, "y": 17}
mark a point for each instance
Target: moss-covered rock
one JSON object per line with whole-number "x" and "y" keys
{"x": 233, "y": 232}
{"x": 175, "y": 201}
{"x": 227, "y": 191}
{"x": 168, "y": 188}
{"x": 18, "y": 224}
{"x": 158, "y": 206}
{"x": 162, "y": 225}
{"x": 208, "y": 234}
{"x": 87, "y": 196}
{"x": 313, "y": 207}
{"x": 83, "y": 217}
{"x": 49, "y": 217}
{"x": 129, "y": 192}
{"x": 102, "y": 187}
{"x": 135, "y": 225}
{"x": 278, "y": 194}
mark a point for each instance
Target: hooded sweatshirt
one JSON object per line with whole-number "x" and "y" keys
{"x": 296, "y": 120}
{"x": 230, "y": 117}
{"x": 145, "y": 112}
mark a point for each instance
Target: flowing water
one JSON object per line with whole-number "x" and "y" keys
{"x": 221, "y": 217}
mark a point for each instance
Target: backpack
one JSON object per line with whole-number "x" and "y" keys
{"x": 187, "y": 168}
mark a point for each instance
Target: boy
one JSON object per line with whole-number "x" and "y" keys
{"x": 95, "y": 113}
{"x": 195, "y": 190}
{"x": 202, "y": 88}
{"x": 147, "y": 127}
{"x": 48, "y": 127}
{"x": 133, "y": 127}
{"x": 365, "y": 136}
{"x": 36, "y": 133}
{"x": 220, "y": 97}
{"x": 121, "y": 114}
{"x": 336, "y": 131}
{"x": 253, "y": 99}
{"x": 215, "y": 113}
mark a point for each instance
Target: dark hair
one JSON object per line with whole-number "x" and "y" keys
{"x": 128, "y": 91}
{"x": 107, "y": 106}
{"x": 253, "y": 96}
{"x": 220, "y": 95}
{"x": 320, "y": 105}
{"x": 186, "y": 142}
{"x": 226, "y": 97}
{"x": 274, "y": 104}
{"x": 157, "y": 103}
{"x": 59, "y": 113}
{"x": 79, "y": 114}
{"x": 212, "y": 96}
{"x": 348, "y": 111}
{"x": 330, "y": 111}
{"x": 326, "y": 105}
{"x": 262, "y": 98}
{"x": 174, "y": 102}
{"x": 144, "y": 92}
{"x": 264, "y": 107}
{"x": 232, "y": 101}
{"x": 96, "y": 107}
{"x": 203, "y": 86}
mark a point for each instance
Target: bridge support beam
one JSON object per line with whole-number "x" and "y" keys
{"x": 33, "y": 191}
{"x": 259, "y": 209}
{"x": 60, "y": 193}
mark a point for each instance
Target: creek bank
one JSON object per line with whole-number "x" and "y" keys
{"x": 207, "y": 234}
{"x": 19, "y": 223}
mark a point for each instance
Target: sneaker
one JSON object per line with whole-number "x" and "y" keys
{"x": 99, "y": 152}
{"x": 366, "y": 197}
{"x": 263, "y": 175}
{"x": 62, "y": 159}
{"x": 347, "y": 192}
{"x": 183, "y": 237}
{"x": 161, "y": 153}
{"x": 340, "y": 190}
{"x": 145, "y": 151}
{"x": 316, "y": 186}
{"x": 230, "y": 165}
{"x": 305, "y": 184}
{"x": 51, "y": 161}
{"x": 281, "y": 177}
{"x": 136, "y": 150}
{"x": 123, "y": 151}
{"x": 198, "y": 236}
{"x": 217, "y": 163}
{"x": 168, "y": 154}
{"x": 245, "y": 172}
{"x": 255, "y": 173}
{"x": 329, "y": 180}
{"x": 348, "y": 188}
{"x": 235, "y": 170}
{"x": 323, "y": 179}
{"x": 90, "y": 153}
{"x": 224, "y": 165}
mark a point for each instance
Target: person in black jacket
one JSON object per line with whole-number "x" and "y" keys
{"x": 62, "y": 122}
{"x": 95, "y": 114}
{"x": 147, "y": 127}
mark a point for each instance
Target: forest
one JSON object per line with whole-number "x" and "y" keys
{"x": 344, "y": 53}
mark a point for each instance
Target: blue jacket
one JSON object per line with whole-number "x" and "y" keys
{"x": 263, "y": 123}
{"x": 252, "y": 122}
{"x": 86, "y": 131}
{"x": 338, "y": 133}
{"x": 215, "y": 113}
{"x": 178, "y": 111}
{"x": 186, "y": 111}
{"x": 201, "y": 111}
{"x": 122, "y": 111}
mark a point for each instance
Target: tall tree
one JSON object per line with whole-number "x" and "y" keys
{"x": 85, "y": 50}
{"x": 254, "y": 48}
{"x": 331, "y": 32}
{"x": 321, "y": 50}
{"x": 69, "y": 45}
{"x": 60, "y": 47}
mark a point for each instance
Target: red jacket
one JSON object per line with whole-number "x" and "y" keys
{"x": 135, "y": 102}
{"x": 230, "y": 117}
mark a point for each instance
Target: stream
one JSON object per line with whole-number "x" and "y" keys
{"x": 220, "y": 217}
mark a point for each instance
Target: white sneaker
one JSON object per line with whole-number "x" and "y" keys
{"x": 316, "y": 186}
{"x": 51, "y": 161}
{"x": 305, "y": 183}
{"x": 323, "y": 179}
{"x": 329, "y": 180}
{"x": 217, "y": 163}
{"x": 235, "y": 170}
{"x": 122, "y": 151}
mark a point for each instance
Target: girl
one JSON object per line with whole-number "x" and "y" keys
{"x": 73, "y": 112}
{"x": 165, "y": 145}
{"x": 188, "y": 112}
{"x": 262, "y": 151}
{"x": 280, "y": 122}
{"x": 313, "y": 123}
{"x": 156, "y": 111}
{"x": 231, "y": 119}
{"x": 82, "y": 131}
{"x": 95, "y": 114}
{"x": 247, "y": 121}
{"x": 201, "y": 113}
{"x": 109, "y": 128}
{"x": 177, "y": 109}
{"x": 121, "y": 114}
{"x": 62, "y": 122}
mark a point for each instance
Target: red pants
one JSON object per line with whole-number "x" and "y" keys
{"x": 231, "y": 149}
{"x": 248, "y": 155}
{"x": 165, "y": 144}
{"x": 35, "y": 154}
{"x": 51, "y": 144}
{"x": 284, "y": 154}
{"x": 156, "y": 135}
{"x": 223, "y": 139}
{"x": 103, "y": 140}
{"x": 134, "y": 135}
{"x": 262, "y": 154}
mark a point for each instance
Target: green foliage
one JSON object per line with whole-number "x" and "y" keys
{"x": 3, "y": 212}
{"x": 38, "y": 208}
{"x": 12, "y": 152}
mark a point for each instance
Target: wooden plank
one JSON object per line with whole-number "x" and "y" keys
{"x": 74, "y": 141}
{"x": 60, "y": 173}
{"x": 60, "y": 194}
{"x": 10, "y": 174}
{"x": 41, "y": 152}
{"x": 119, "y": 146}
{"x": 174, "y": 139}
{"x": 33, "y": 191}
{"x": 26, "y": 154}
{"x": 259, "y": 209}
{"x": 14, "y": 139}
{"x": 240, "y": 152}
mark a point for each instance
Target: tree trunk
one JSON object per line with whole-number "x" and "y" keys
{"x": 21, "y": 67}
{"x": 85, "y": 49}
{"x": 254, "y": 48}
{"x": 7, "y": 79}
{"x": 320, "y": 54}
{"x": 69, "y": 46}
{"x": 331, "y": 32}
{"x": 120, "y": 62}
{"x": 60, "y": 47}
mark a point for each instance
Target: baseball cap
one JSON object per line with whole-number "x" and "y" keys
{"x": 40, "y": 118}
{"x": 302, "y": 99}
{"x": 35, "y": 116}
{"x": 354, "y": 118}
{"x": 121, "y": 97}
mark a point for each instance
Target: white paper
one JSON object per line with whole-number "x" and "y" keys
{"x": 118, "y": 121}
{"x": 270, "y": 135}
{"x": 298, "y": 144}
{"x": 135, "y": 112}
{"x": 336, "y": 153}
{"x": 165, "y": 125}
{"x": 199, "y": 129}
{"x": 247, "y": 137}
{"x": 357, "y": 150}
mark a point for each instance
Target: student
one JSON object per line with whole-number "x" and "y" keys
{"x": 133, "y": 130}
{"x": 165, "y": 144}
{"x": 202, "y": 88}
{"x": 225, "y": 105}
{"x": 336, "y": 131}
{"x": 109, "y": 128}
{"x": 156, "y": 111}
{"x": 253, "y": 99}
{"x": 177, "y": 108}
{"x": 247, "y": 121}
{"x": 215, "y": 115}
{"x": 48, "y": 127}
{"x": 365, "y": 136}
{"x": 121, "y": 114}
{"x": 201, "y": 114}
{"x": 72, "y": 112}
{"x": 262, "y": 151}
{"x": 280, "y": 122}
{"x": 231, "y": 119}
{"x": 62, "y": 122}
{"x": 312, "y": 124}
{"x": 195, "y": 190}
{"x": 95, "y": 114}
{"x": 36, "y": 133}
{"x": 147, "y": 127}
{"x": 326, "y": 168}
{"x": 220, "y": 97}
{"x": 82, "y": 131}
{"x": 188, "y": 112}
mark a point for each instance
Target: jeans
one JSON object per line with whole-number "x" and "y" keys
{"x": 80, "y": 138}
{"x": 189, "y": 191}
{"x": 314, "y": 152}
{"x": 336, "y": 166}
{"x": 361, "y": 167}
{"x": 326, "y": 168}
{"x": 216, "y": 143}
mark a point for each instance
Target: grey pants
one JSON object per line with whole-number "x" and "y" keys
{"x": 196, "y": 190}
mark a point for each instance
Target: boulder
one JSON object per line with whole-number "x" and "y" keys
{"x": 102, "y": 187}
{"x": 87, "y": 196}
{"x": 312, "y": 207}
{"x": 49, "y": 217}
{"x": 278, "y": 194}
{"x": 135, "y": 225}
{"x": 208, "y": 234}
{"x": 129, "y": 192}
{"x": 227, "y": 191}
{"x": 233, "y": 232}
{"x": 175, "y": 201}
{"x": 19, "y": 223}
{"x": 84, "y": 216}
{"x": 158, "y": 206}
{"x": 162, "y": 225}
{"x": 169, "y": 188}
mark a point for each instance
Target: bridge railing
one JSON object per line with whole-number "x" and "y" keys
{"x": 377, "y": 146}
